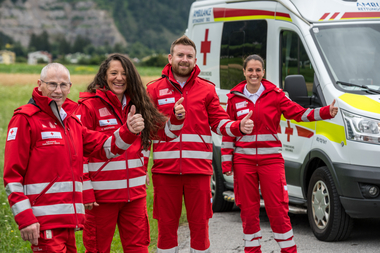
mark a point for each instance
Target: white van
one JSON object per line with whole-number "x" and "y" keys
{"x": 317, "y": 51}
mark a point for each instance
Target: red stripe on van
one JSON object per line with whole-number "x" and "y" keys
{"x": 324, "y": 16}
{"x": 352, "y": 15}
{"x": 229, "y": 13}
{"x": 334, "y": 16}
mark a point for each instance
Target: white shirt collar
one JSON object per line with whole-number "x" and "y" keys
{"x": 253, "y": 97}
{"x": 62, "y": 113}
{"x": 182, "y": 84}
{"x": 124, "y": 102}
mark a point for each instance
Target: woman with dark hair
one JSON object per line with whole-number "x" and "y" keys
{"x": 256, "y": 158}
{"x": 114, "y": 191}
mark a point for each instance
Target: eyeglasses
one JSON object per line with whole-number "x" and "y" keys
{"x": 52, "y": 86}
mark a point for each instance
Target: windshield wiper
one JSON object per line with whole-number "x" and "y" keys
{"x": 358, "y": 85}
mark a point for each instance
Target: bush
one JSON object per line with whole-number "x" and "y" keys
{"x": 21, "y": 59}
{"x": 159, "y": 60}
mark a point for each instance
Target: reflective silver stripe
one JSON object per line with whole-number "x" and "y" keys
{"x": 31, "y": 189}
{"x": 20, "y": 206}
{"x": 227, "y": 158}
{"x": 107, "y": 148}
{"x": 190, "y": 138}
{"x": 254, "y": 243}
{"x": 260, "y": 137}
{"x": 14, "y": 187}
{"x": 221, "y": 123}
{"x": 119, "y": 141}
{"x": 146, "y": 153}
{"x": 228, "y": 129}
{"x": 85, "y": 168}
{"x": 135, "y": 163}
{"x": 172, "y": 250}
{"x": 117, "y": 165}
{"x": 80, "y": 208}
{"x": 199, "y": 251}
{"x": 249, "y": 237}
{"x": 168, "y": 132}
{"x": 173, "y": 127}
{"x": 53, "y": 209}
{"x": 109, "y": 185}
{"x": 261, "y": 151}
{"x": 283, "y": 236}
{"x": 87, "y": 185}
{"x": 286, "y": 244}
{"x": 196, "y": 154}
{"x": 226, "y": 144}
{"x": 166, "y": 155}
{"x": 304, "y": 116}
{"x": 317, "y": 114}
{"x": 137, "y": 181}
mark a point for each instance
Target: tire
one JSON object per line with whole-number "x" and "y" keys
{"x": 327, "y": 217}
{"x": 217, "y": 189}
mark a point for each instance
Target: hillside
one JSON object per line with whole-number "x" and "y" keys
{"x": 154, "y": 24}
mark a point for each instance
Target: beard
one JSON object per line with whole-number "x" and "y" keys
{"x": 182, "y": 72}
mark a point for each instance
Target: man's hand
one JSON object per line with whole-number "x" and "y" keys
{"x": 228, "y": 173}
{"x": 135, "y": 122}
{"x": 333, "y": 109}
{"x": 89, "y": 206}
{"x": 31, "y": 233}
{"x": 179, "y": 110}
{"x": 147, "y": 182}
{"x": 246, "y": 124}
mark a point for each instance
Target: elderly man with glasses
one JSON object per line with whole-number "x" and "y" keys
{"x": 43, "y": 162}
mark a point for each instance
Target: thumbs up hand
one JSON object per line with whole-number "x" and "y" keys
{"x": 333, "y": 109}
{"x": 135, "y": 121}
{"x": 179, "y": 110}
{"x": 246, "y": 124}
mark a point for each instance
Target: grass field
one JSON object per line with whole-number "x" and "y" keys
{"x": 15, "y": 90}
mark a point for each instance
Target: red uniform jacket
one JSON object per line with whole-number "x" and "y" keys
{"x": 121, "y": 179}
{"x": 43, "y": 165}
{"x": 191, "y": 152}
{"x": 262, "y": 146}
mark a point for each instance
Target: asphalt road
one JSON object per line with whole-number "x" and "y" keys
{"x": 226, "y": 236}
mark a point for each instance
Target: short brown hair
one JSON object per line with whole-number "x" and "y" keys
{"x": 184, "y": 40}
{"x": 255, "y": 57}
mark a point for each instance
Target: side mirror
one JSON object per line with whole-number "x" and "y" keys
{"x": 295, "y": 86}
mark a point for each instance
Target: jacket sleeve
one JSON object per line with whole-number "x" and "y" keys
{"x": 292, "y": 110}
{"x": 86, "y": 117}
{"x": 173, "y": 126}
{"x": 219, "y": 120}
{"x": 228, "y": 145}
{"x": 16, "y": 159}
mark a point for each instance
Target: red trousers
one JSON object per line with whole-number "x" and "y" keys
{"x": 60, "y": 240}
{"x": 131, "y": 219}
{"x": 168, "y": 193}
{"x": 275, "y": 194}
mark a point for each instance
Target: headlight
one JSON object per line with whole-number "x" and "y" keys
{"x": 360, "y": 128}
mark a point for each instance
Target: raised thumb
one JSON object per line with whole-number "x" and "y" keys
{"x": 132, "y": 111}
{"x": 179, "y": 101}
{"x": 248, "y": 115}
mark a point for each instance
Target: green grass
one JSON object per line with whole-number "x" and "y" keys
{"x": 74, "y": 69}
{"x": 12, "y": 97}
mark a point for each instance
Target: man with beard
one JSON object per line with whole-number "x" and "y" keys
{"x": 183, "y": 167}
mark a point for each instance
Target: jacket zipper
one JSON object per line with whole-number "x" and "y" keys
{"x": 126, "y": 166}
{"x": 45, "y": 189}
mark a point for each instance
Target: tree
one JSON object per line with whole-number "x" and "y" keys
{"x": 80, "y": 43}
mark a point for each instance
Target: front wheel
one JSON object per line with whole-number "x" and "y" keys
{"x": 327, "y": 217}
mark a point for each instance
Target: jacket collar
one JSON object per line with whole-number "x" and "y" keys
{"x": 239, "y": 89}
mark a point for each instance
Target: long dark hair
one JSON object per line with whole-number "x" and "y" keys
{"x": 153, "y": 119}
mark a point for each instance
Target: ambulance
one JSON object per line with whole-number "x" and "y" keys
{"x": 316, "y": 51}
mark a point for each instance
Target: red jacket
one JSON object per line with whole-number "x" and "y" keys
{"x": 262, "y": 146}
{"x": 43, "y": 165}
{"x": 191, "y": 152}
{"x": 121, "y": 179}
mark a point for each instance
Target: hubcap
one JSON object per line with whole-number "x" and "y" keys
{"x": 321, "y": 204}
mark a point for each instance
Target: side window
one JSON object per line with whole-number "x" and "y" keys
{"x": 294, "y": 59}
{"x": 239, "y": 40}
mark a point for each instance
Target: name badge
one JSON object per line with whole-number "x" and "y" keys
{"x": 51, "y": 135}
{"x": 165, "y": 101}
{"x": 12, "y": 134}
{"x": 241, "y": 105}
{"x": 165, "y": 92}
{"x": 242, "y": 112}
{"x": 107, "y": 122}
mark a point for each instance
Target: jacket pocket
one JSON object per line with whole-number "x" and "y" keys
{"x": 45, "y": 190}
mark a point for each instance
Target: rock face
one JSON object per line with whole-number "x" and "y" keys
{"x": 19, "y": 19}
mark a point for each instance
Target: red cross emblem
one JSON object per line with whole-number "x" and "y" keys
{"x": 289, "y": 131}
{"x": 205, "y": 47}
{"x": 12, "y": 131}
{"x": 52, "y": 133}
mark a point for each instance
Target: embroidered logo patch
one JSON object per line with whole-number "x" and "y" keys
{"x": 12, "y": 134}
{"x": 165, "y": 101}
{"x": 51, "y": 135}
{"x": 166, "y": 91}
{"x": 241, "y": 105}
{"x": 104, "y": 112}
{"x": 107, "y": 122}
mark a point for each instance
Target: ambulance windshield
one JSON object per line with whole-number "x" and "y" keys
{"x": 351, "y": 54}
